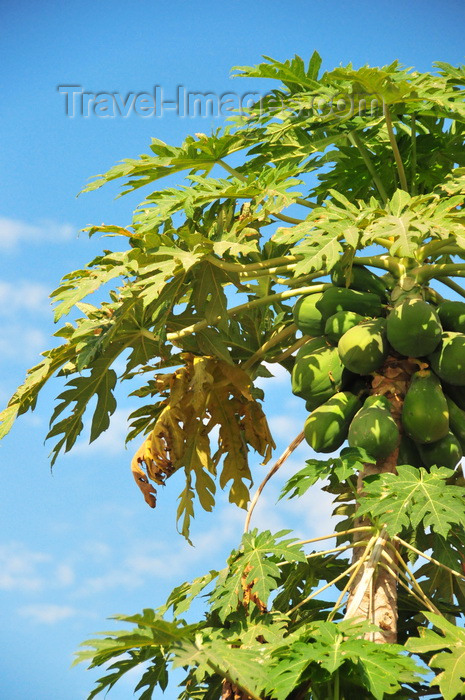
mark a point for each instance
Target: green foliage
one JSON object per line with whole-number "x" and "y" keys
{"x": 312, "y": 655}
{"x": 350, "y": 461}
{"x": 451, "y": 659}
{"x": 414, "y": 497}
{"x": 254, "y": 566}
{"x": 338, "y": 649}
{"x": 389, "y": 179}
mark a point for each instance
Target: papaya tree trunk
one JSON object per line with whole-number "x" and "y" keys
{"x": 373, "y": 594}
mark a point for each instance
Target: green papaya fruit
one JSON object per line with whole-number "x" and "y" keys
{"x": 446, "y": 452}
{"x": 448, "y": 361}
{"x": 413, "y": 328}
{"x": 374, "y": 430}
{"x": 452, "y": 315}
{"x": 359, "y": 278}
{"x": 364, "y": 348}
{"x": 307, "y": 317}
{"x": 456, "y": 421}
{"x": 317, "y": 373}
{"x": 336, "y": 299}
{"x": 326, "y": 428}
{"x": 339, "y": 323}
{"x": 425, "y": 415}
{"x": 377, "y": 400}
{"x": 389, "y": 280}
{"x": 408, "y": 453}
{"x": 457, "y": 394}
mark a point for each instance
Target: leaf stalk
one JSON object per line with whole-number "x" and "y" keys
{"x": 269, "y": 299}
{"x": 395, "y": 148}
{"x": 355, "y": 141}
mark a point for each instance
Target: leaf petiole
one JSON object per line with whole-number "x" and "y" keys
{"x": 269, "y": 299}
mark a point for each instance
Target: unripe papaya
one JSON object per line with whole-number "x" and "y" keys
{"x": 339, "y": 323}
{"x": 378, "y": 401}
{"x": 326, "y": 428}
{"x": 359, "y": 278}
{"x": 425, "y": 415}
{"x": 389, "y": 280}
{"x": 337, "y": 299}
{"x": 374, "y": 430}
{"x": 452, "y": 315}
{"x": 456, "y": 421}
{"x": 413, "y": 328}
{"x": 448, "y": 361}
{"x": 408, "y": 453}
{"x": 446, "y": 452}
{"x": 457, "y": 394}
{"x": 308, "y": 347}
{"x": 364, "y": 348}
{"x": 307, "y": 317}
{"x": 357, "y": 385}
{"x": 317, "y": 372}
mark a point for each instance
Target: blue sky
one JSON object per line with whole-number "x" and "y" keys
{"x": 80, "y": 545}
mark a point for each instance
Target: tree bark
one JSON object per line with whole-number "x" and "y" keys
{"x": 378, "y": 602}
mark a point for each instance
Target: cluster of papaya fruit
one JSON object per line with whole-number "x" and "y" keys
{"x": 352, "y": 331}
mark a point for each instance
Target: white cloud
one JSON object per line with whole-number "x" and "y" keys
{"x": 143, "y": 560}
{"x": 96, "y": 550}
{"x": 20, "y": 568}
{"x": 23, "y": 296}
{"x": 4, "y": 395}
{"x": 64, "y": 575}
{"x": 111, "y": 442}
{"x": 22, "y": 342}
{"x": 280, "y": 374}
{"x": 309, "y": 515}
{"x": 13, "y": 232}
{"x": 47, "y": 613}
{"x": 267, "y": 515}
{"x": 284, "y": 426}
{"x": 312, "y": 513}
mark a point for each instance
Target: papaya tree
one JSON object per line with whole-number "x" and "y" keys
{"x": 321, "y": 230}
